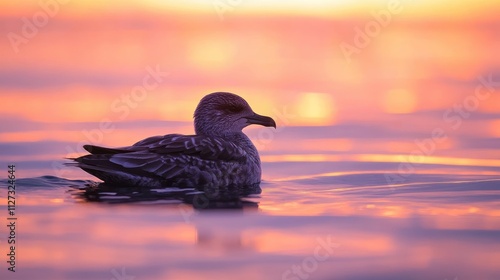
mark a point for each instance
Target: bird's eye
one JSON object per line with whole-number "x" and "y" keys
{"x": 231, "y": 108}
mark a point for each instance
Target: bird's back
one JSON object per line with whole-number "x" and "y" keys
{"x": 194, "y": 161}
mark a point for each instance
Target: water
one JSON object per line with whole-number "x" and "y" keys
{"x": 441, "y": 222}
{"x": 370, "y": 200}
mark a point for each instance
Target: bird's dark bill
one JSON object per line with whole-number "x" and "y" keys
{"x": 261, "y": 120}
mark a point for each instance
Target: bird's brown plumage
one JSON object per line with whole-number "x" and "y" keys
{"x": 220, "y": 155}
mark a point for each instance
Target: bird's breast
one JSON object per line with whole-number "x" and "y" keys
{"x": 251, "y": 166}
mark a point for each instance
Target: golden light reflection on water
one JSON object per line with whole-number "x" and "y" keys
{"x": 381, "y": 158}
{"x": 437, "y": 216}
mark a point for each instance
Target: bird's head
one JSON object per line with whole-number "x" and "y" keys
{"x": 222, "y": 113}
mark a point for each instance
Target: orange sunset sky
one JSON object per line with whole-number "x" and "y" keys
{"x": 81, "y": 61}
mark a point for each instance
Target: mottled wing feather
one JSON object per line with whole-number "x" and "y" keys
{"x": 97, "y": 150}
{"x": 133, "y": 160}
{"x": 204, "y": 147}
{"x": 152, "y": 140}
{"x": 163, "y": 166}
{"x": 166, "y": 157}
{"x": 171, "y": 155}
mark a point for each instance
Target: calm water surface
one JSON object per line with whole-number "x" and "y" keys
{"x": 323, "y": 214}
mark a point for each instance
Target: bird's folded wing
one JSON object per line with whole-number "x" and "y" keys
{"x": 170, "y": 155}
{"x": 203, "y": 147}
{"x": 160, "y": 165}
{"x": 165, "y": 156}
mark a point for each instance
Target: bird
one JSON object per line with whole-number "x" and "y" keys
{"x": 219, "y": 156}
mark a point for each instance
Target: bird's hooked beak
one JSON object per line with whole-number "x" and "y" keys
{"x": 261, "y": 120}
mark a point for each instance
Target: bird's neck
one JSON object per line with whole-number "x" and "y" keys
{"x": 242, "y": 140}
{"x": 238, "y": 137}
{"x": 253, "y": 158}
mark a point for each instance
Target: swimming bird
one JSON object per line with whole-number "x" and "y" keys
{"x": 219, "y": 155}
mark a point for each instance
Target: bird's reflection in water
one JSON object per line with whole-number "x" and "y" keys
{"x": 197, "y": 209}
{"x": 221, "y": 198}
